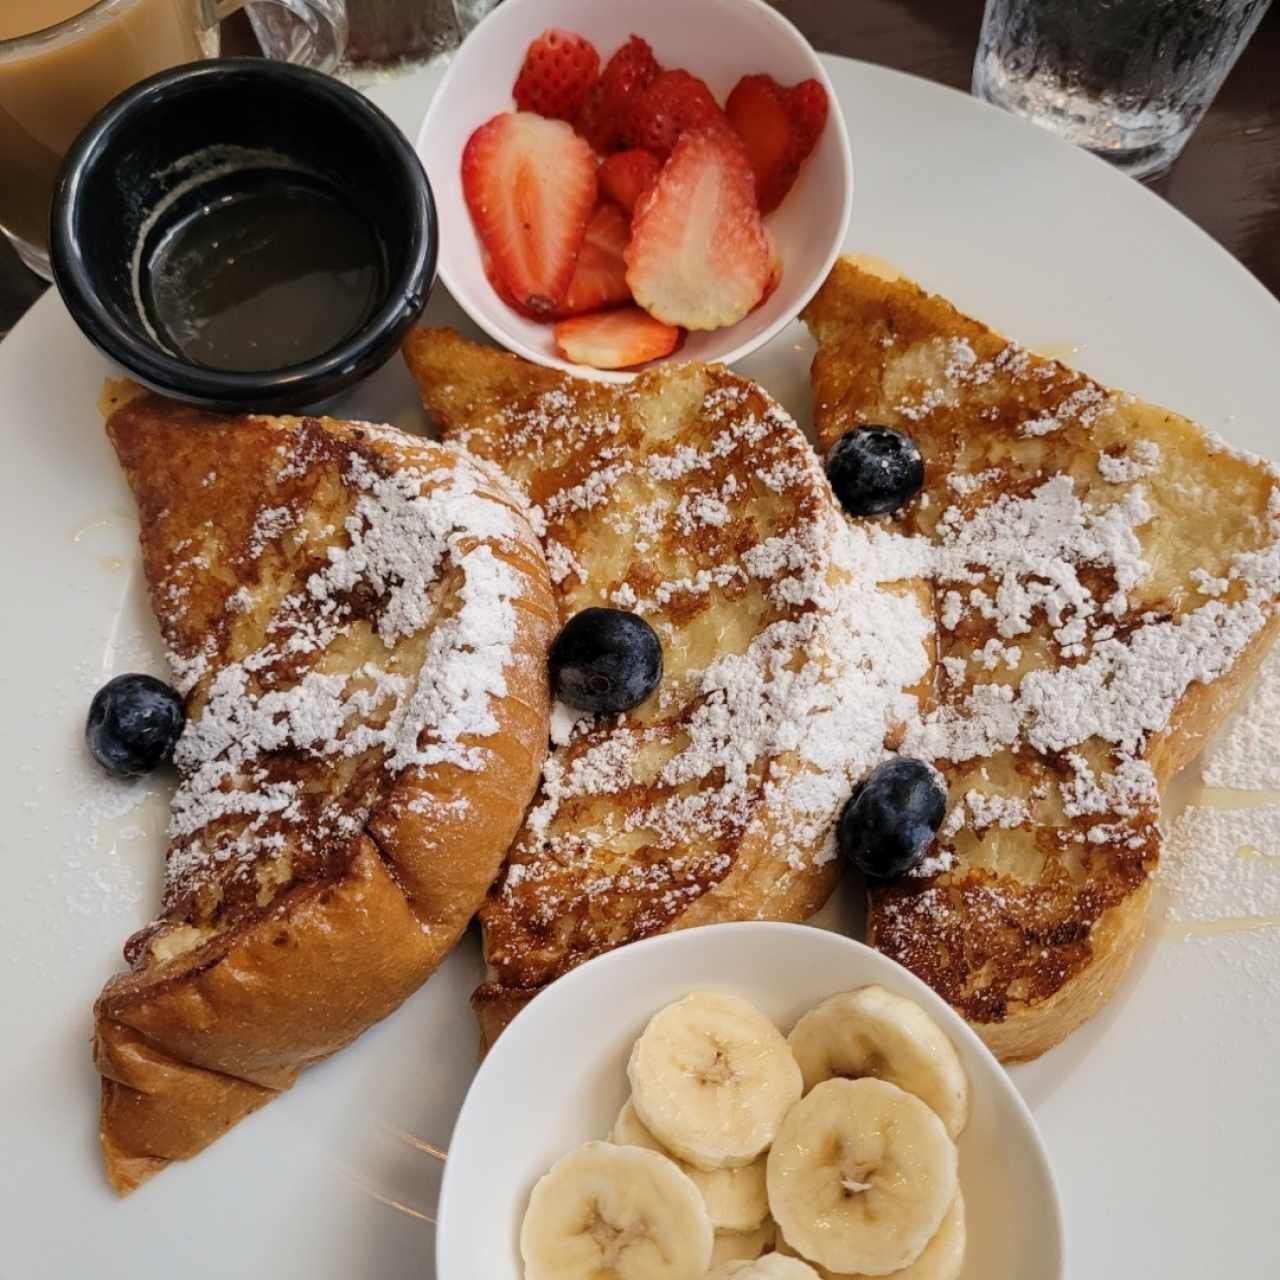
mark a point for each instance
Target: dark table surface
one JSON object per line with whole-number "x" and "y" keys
{"x": 1228, "y": 179}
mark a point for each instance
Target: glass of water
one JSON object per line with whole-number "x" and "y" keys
{"x": 1126, "y": 79}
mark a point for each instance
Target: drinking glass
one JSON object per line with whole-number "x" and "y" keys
{"x": 1126, "y": 79}
{"x": 61, "y": 61}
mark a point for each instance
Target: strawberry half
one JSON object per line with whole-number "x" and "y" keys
{"x": 596, "y": 122}
{"x": 625, "y": 176}
{"x": 775, "y": 270}
{"x": 604, "y": 110}
{"x": 615, "y": 339}
{"x": 779, "y": 128}
{"x": 808, "y": 107}
{"x": 558, "y": 69}
{"x": 600, "y": 274}
{"x": 630, "y": 71}
{"x": 530, "y": 184}
{"x": 758, "y": 111}
{"x": 674, "y": 102}
{"x": 698, "y": 255}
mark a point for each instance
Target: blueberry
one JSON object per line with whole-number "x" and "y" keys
{"x": 890, "y": 821}
{"x": 874, "y": 470}
{"x": 605, "y": 660}
{"x": 134, "y": 724}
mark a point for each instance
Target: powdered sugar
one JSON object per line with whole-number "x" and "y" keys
{"x": 409, "y": 525}
{"x": 990, "y": 810}
{"x": 964, "y": 484}
{"x": 695, "y": 510}
{"x": 1141, "y": 459}
{"x": 1223, "y": 864}
{"x": 1247, "y": 754}
{"x": 269, "y": 524}
{"x": 771, "y": 734}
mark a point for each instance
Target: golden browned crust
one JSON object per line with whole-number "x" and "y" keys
{"x": 1029, "y": 932}
{"x": 612, "y": 470}
{"x": 248, "y": 978}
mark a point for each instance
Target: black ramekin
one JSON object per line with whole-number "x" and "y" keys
{"x": 128, "y": 158}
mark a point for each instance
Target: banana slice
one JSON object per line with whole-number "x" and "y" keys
{"x": 711, "y": 1079}
{"x": 861, "y": 1176}
{"x": 773, "y": 1266}
{"x": 742, "y": 1246}
{"x": 736, "y": 1198}
{"x": 943, "y": 1258}
{"x": 623, "y": 1212}
{"x": 872, "y": 1032}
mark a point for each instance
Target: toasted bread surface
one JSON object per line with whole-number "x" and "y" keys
{"x": 691, "y": 498}
{"x": 359, "y": 620}
{"x": 1105, "y": 577}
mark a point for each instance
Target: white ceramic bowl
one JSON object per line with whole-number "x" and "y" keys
{"x": 719, "y": 40}
{"x": 557, "y": 1078}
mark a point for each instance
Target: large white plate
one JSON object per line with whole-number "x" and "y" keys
{"x": 1161, "y": 1115}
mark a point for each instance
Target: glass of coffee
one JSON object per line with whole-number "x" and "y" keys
{"x": 61, "y": 61}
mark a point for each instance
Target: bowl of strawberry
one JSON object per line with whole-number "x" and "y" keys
{"x": 620, "y": 184}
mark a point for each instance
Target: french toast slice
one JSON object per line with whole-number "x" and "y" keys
{"x": 1106, "y": 577}
{"x": 689, "y": 497}
{"x": 359, "y": 620}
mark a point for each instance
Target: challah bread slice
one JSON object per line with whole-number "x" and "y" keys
{"x": 1106, "y": 576}
{"x": 690, "y": 497}
{"x": 359, "y": 620}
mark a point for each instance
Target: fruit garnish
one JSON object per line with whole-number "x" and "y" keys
{"x": 618, "y": 1212}
{"x": 674, "y": 102}
{"x": 134, "y": 724}
{"x": 737, "y": 1200}
{"x": 875, "y": 1032}
{"x": 530, "y": 184}
{"x": 775, "y": 269}
{"x": 698, "y": 255}
{"x": 626, "y": 175}
{"x": 861, "y": 1176}
{"x": 595, "y": 122}
{"x": 757, "y": 110}
{"x": 712, "y": 1079}
{"x": 604, "y": 109}
{"x": 600, "y": 274}
{"x": 630, "y": 71}
{"x": 615, "y": 339}
{"x": 807, "y": 103}
{"x": 779, "y": 128}
{"x": 889, "y": 823}
{"x": 875, "y": 470}
{"x": 558, "y": 69}
{"x": 605, "y": 660}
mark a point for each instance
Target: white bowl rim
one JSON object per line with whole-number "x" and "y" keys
{"x": 509, "y": 343}
{"x": 954, "y": 1024}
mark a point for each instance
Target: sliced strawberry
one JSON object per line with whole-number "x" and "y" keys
{"x": 600, "y": 275}
{"x": 757, "y": 109}
{"x": 559, "y": 68}
{"x": 530, "y": 185}
{"x": 779, "y": 127}
{"x": 615, "y": 339}
{"x": 595, "y": 122}
{"x": 698, "y": 256}
{"x": 674, "y": 102}
{"x": 630, "y": 71}
{"x": 627, "y": 175}
{"x": 807, "y": 105}
{"x": 775, "y": 269}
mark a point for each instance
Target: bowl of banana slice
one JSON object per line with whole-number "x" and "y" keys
{"x": 749, "y": 1101}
